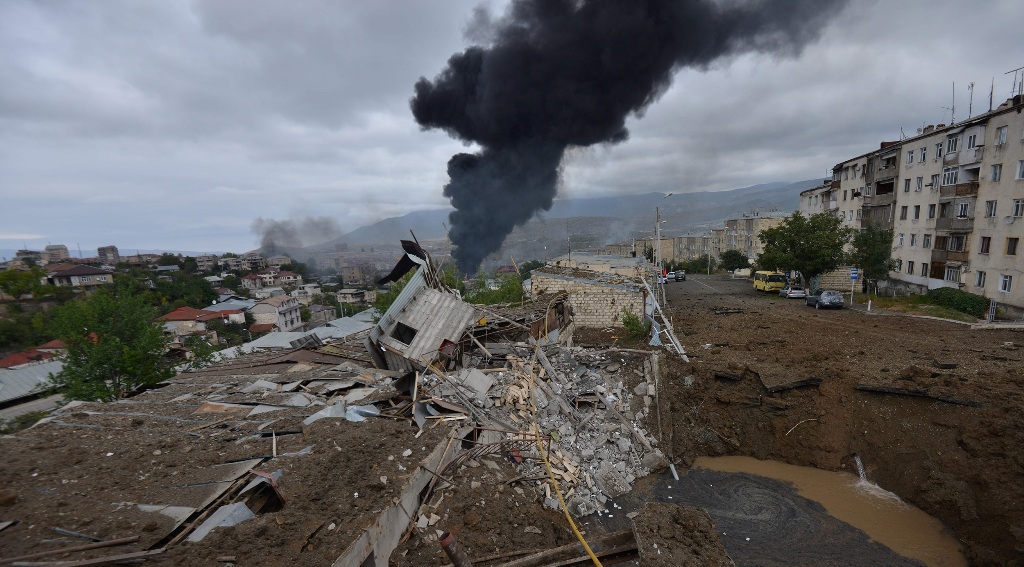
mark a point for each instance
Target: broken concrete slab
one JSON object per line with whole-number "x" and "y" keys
{"x": 476, "y": 381}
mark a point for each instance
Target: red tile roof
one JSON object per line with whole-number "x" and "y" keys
{"x": 24, "y": 357}
{"x": 55, "y": 344}
{"x": 262, "y": 327}
{"x": 189, "y": 314}
{"x": 252, "y": 277}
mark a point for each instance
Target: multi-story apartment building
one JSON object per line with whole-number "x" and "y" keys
{"x": 55, "y": 253}
{"x": 206, "y": 262}
{"x": 108, "y": 255}
{"x": 954, "y": 197}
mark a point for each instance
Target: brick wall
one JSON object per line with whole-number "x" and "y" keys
{"x": 593, "y": 304}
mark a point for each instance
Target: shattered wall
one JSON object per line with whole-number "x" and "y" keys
{"x": 594, "y": 303}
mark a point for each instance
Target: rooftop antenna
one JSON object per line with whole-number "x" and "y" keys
{"x": 970, "y": 103}
{"x": 1020, "y": 88}
{"x": 79, "y": 250}
{"x": 991, "y": 93}
{"x": 952, "y": 112}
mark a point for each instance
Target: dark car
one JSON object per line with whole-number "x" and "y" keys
{"x": 680, "y": 275}
{"x": 825, "y": 298}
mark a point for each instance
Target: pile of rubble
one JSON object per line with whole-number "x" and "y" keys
{"x": 582, "y": 416}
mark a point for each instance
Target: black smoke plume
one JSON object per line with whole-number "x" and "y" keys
{"x": 278, "y": 235}
{"x": 561, "y": 73}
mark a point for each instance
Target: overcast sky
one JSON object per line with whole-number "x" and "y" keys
{"x": 176, "y": 124}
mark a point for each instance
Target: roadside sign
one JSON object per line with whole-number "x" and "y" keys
{"x": 854, "y": 273}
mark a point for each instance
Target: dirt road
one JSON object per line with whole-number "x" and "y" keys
{"x": 932, "y": 408}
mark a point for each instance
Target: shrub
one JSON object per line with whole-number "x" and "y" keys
{"x": 958, "y": 300}
{"x": 636, "y": 327}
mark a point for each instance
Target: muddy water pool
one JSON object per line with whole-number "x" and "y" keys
{"x": 884, "y": 518}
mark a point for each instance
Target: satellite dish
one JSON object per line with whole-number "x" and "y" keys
{"x": 1009, "y": 219}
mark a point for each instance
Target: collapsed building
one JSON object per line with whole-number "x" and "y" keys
{"x": 337, "y": 447}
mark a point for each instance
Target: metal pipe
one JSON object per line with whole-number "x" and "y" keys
{"x": 457, "y": 556}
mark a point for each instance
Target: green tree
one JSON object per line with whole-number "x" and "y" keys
{"x": 168, "y": 259}
{"x": 232, "y": 282}
{"x": 528, "y": 267}
{"x": 648, "y": 252}
{"x": 872, "y": 251}
{"x": 810, "y": 245}
{"x": 201, "y": 352}
{"x": 113, "y": 345}
{"x": 17, "y": 283}
{"x": 734, "y": 260}
{"x": 190, "y": 265}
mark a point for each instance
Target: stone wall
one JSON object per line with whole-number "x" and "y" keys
{"x": 594, "y": 304}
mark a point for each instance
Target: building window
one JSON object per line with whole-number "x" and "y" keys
{"x": 858, "y": 214}
{"x": 935, "y": 182}
{"x": 917, "y": 210}
{"x": 944, "y": 210}
{"x": 1005, "y": 281}
{"x": 1018, "y": 207}
{"x": 899, "y": 239}
{"x": 1001, "y": 135}
{"x": 970, "y": 141}
{"x": 920, "y": 184}
{"x": 953, "y": 274}
{"x": 903, "y": 212}
{"x": 846, "y": 173}
{"x": 84, "y": 279}
{"x": 997, "y": 172}
{"x": 926, "y": 241}
{"x": 910, "y": 267}
{"x": 906, "y": 185}
{"x": 962, "y": 209}
{"x": 1011, "y": 246}
{"x": 990, "y": 208}
{"x": 938, "y": 151}
{"x": 955, "y": 242}
{"x": 950, "y": 175}
{"x": 952, "y": 144}
{"x": 899, "y": 265}
{"x": 910, "y": 157}
{"x": 1020, "y": 169}
{"x": 931, "y": 211}
{"x": 102, "y": 278}
{"x": 986, "y": 243}
{"x": 913, "y": 239}
{"x": 924, "y": 269}
{"x": 923, "y": 152}
{"x": 979, "y": 279}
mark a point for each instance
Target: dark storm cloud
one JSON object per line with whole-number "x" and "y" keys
{"x": 563, "y": 73}
{"x": 174, "y": 124}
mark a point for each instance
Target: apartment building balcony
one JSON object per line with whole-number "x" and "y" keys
{"x": 959, "y": 190}
{"x": 943, "y": 256}
{"x": 879, "y": 200}
{"x": 836, "y": 183}
{"x": 954, "y": 224}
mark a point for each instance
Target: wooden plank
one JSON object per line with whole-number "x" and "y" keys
{"x": 84, "y": 547}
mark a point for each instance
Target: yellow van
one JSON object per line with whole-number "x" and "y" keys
{"x": 769, "y": 281}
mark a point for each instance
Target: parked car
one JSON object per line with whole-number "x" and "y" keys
{"x": 670, "y": 276}
{"x": 680, "y": 275}
{"x": 825, "y": 298}
{"x": 792, "y": 292}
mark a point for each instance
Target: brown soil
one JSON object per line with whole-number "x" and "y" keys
{"x": 959, "y": 459}
{"x": 669, "y": 535}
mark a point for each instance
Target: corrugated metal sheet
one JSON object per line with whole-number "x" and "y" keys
{"x": 344, "y": 327}
{"x": 24, "y": 381}
{"x": 435, "y": 316}
{"x": 366, "y": 316}
{"x": 274, "y": 340}
{"x": 408, "y": 293}
{"x": 243, "y": 305}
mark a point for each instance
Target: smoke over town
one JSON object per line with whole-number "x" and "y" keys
{"x": 561, "y": 73}
{"x": 295, "y": 232}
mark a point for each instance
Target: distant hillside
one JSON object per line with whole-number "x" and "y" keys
{"x": 683, "y": 211}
